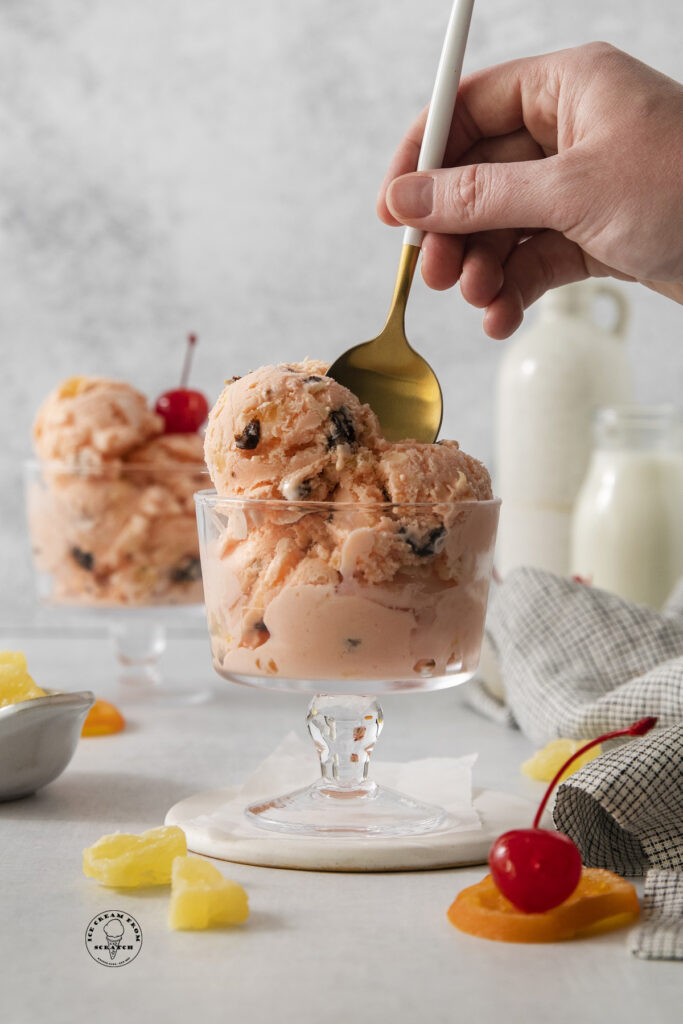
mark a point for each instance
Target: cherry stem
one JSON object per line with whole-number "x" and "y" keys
{"x": 638, "y": 728}
{"x": 189, "y": 352}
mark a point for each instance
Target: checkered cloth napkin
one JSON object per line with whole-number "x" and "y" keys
{"x": 577, "y": 661}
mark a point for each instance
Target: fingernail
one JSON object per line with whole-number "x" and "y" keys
{"x": 410, "y": 197}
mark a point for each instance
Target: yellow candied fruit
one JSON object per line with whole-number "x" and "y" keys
{"x": 15, "y": 682}
{"x": 202, "y": 898}
{"x": 72, "y": 386}
{"x": 547, "y": 761}
{"x": 128, "y": 861}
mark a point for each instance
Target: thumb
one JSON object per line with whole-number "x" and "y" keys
{"x": 481, "y": 197}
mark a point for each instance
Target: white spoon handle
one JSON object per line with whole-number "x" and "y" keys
{"x": 443, "y": 98}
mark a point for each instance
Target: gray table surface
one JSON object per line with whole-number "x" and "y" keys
{"x": 318, "y": 946}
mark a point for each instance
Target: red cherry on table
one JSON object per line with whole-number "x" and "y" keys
{"x": 183, "y": 410}
{"x": 537, "y": 869}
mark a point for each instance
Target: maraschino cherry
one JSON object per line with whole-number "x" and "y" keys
{"x": 183, "y": 410}
{"x": 537, "y": 869}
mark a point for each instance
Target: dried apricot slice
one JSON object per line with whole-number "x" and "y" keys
{"x": 202, "y": 898}
{"x": 601, "y": 901}
{"x": 128, "y": 861}
{"x": 103, "y": 719}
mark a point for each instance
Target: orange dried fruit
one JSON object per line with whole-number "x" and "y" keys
{"x": 601, "y": 902}
{"x": 103, "y": 719}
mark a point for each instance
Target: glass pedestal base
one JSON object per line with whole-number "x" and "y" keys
{"x": 324, "y": 810}
{"x": 344, "y": 801}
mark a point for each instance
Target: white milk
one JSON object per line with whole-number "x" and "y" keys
{"x": 627, "y": 530}
{"x": 552, "y": 378}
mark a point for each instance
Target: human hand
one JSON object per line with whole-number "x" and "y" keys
{"x": 557, "y": 168}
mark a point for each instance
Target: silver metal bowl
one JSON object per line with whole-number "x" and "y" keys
{"x": 38, "y": 738}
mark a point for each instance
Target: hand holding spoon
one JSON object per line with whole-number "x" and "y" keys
{"x": 387, "y": 372}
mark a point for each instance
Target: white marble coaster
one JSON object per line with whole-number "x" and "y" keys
{"x": 214, "y": 824}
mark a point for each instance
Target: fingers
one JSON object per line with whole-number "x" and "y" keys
{"x": 516, "y": 146}
{"x": 507, "y": 97}
{"x": 483, "y": 275}
{"x": 547, "y": 260}
{"x": 403, "y": 161}
{"x": 478, "y": 262}
{"x": 482, "y": 197}
{"x": 518, "y": 97}
{"x": 442, "y": 257}
{"x": 496, "y": 101}
{"x": 503, "y": 149}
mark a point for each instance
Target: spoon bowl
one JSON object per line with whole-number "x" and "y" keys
{"x": 390, "y": 375}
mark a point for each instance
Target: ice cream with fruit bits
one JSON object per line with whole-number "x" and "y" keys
{"x": 337, "y": 554}
{"x": 111, "y": 512}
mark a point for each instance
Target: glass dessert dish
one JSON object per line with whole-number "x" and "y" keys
{"x": 117, "y": 542}
{"x": 345, "y": 601}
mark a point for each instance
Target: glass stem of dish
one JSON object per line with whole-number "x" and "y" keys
{"x": 138, "y": 647}
{"x": 344, "y": 730}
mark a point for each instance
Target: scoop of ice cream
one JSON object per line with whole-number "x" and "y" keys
{"x": 411, "y": 471}
{"x": 287, "y": 431}
{"x": 113, "y": 930}
{"x": 90, "y": 419}
{"x": 291, "y": 432}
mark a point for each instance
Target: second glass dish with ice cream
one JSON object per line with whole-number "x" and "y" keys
{"x": 111, "y": 520}
{"x": 339, "y": 564}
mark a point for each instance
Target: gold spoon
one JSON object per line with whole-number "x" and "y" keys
{"x": 387, "y": 372}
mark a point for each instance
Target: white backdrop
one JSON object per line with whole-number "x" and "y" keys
{"x": 206, "y": 165}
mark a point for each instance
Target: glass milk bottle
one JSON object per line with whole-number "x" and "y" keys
{"x": 551, "y": 379}
{"x": 627, "y": 533}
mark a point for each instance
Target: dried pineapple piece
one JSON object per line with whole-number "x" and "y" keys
{"x": 545, "y": 763}
{"x": 15, "y": 682}
{"x": 202, "y": 898}
{"x": 128, "y": 861}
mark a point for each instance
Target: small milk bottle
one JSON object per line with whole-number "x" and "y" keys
{"x": 627, "y": 531}
{"x": 552, "y": 377}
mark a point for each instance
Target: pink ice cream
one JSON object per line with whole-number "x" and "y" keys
{"x": 111, "y": 512}
{"x": 374, "y": 559}
{"x": 87, "y": 420}
{"x": 287, "y": 432}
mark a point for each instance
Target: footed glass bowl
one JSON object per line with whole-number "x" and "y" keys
{"x": 118, "y": 542}
{"x": 345, "y": 601}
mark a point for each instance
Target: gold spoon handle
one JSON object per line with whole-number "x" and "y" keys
{"x": 404, "y": 279}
